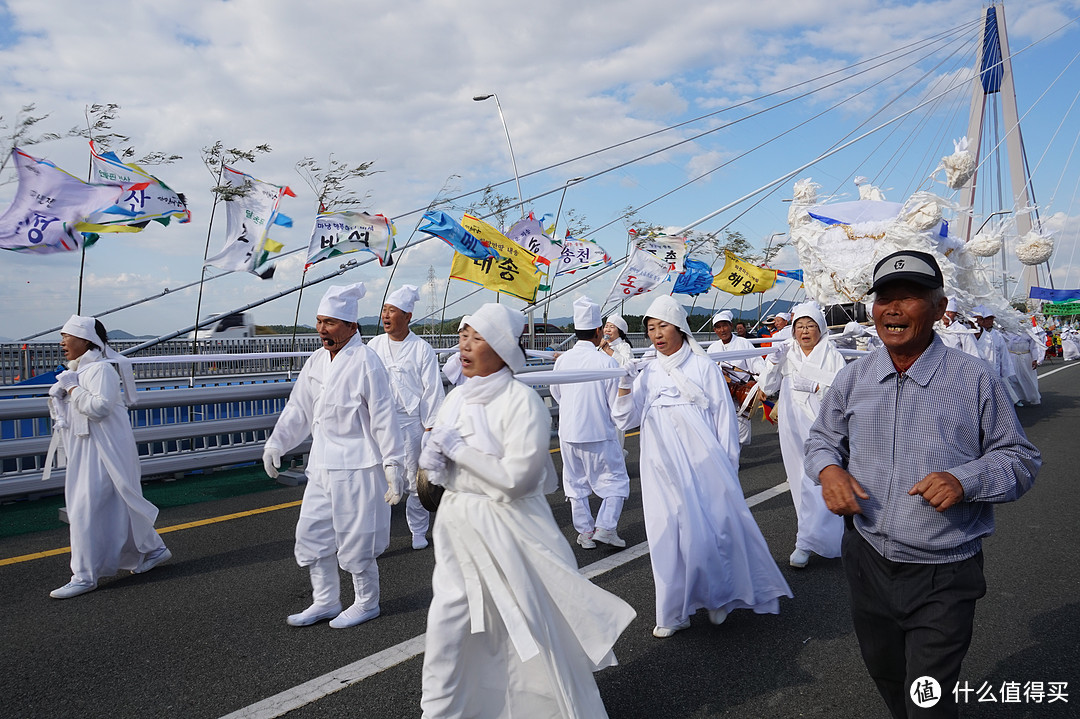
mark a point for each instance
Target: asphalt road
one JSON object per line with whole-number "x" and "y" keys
{"x": 205, "y": 636}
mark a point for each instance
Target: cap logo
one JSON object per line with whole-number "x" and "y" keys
{"x": 899, "y": 264}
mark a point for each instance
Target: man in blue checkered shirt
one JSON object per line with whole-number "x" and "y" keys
{"x": 914, "y": 445}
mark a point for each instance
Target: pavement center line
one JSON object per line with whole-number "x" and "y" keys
{"x": 319, "y": 687}
{"x": 1047, "y": 374}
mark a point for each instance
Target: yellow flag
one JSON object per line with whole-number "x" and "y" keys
{"x": 740, "y": 277}
{"x": 513, "y": 272}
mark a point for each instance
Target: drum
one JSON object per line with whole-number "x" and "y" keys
{"x": 429, "y": 494}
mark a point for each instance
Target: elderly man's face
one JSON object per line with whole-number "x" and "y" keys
{"x": 395, "y": 322}
{"x": 780, "y": 323}
{"x": 949, "y": 317}
{"x": 334, "y": 333}
{"x": 987, "y": 323}
{"x": 904, "y": 317}
{"x": 723, "y": 331}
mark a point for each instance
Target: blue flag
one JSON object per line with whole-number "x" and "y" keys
{"x": 446, "y": 228}
{"x": 696, "y": 279}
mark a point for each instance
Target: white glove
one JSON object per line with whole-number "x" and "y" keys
{"x": 67, "y": 379}
{"x": 803, "y": 384}
{"x": 449, "y": 441}
{"x": 431, "y": 456}
{"x": 777, "y": 356}
{"x": 271, "y": 460}
{"x": 395, "y": 484}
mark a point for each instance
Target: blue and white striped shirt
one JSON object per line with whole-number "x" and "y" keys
{"x": 947, "y": 413}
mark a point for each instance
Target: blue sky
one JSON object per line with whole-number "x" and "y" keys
{"x": 393, "y": 84}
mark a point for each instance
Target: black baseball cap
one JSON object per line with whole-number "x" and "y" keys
{"x": 911, "y": 265}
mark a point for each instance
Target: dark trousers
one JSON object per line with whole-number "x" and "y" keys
{"x": 912, "y": 620}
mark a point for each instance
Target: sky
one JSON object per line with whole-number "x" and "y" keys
{"x": 392, "y": 84}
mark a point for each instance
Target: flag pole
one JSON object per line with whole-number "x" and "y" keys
{"x": 202, "y": 274}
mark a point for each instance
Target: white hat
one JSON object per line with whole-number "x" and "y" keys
{"x": 404, "y": 298}
{"x": 722, "y": 316}
{"x": 500, "y": 326}
{"x": 951, "y": 307}
{"x": 586, "y": 314}
{"x": 785, "y": 316}
{"x": 619, "y": 322}
{"x": 814, "y": 312}
{"x": 81, "y": 327}
{"x": 340, "y": 302}
{"x": 981, "y": 311}
{"x": 667, "y": 309}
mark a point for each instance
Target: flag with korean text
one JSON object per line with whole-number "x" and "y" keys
{"x": 249, "y": 218}
{"x": 740, "y": 277}
{"x": 642, "y": 273}
{"x": 341, "y": 233}
{"x": 49, "y": 206}
{"x": 446, "y": 228}
{"x": 696, "y": 278}
{"x": 579, "y": 254}
{"x": 671, "y": 250}
{"x": 144, "y": 197}
{"x": 528, "y": 232}
{"x": 515, "y": 271}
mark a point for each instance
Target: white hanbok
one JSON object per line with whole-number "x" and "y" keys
{"x": 418, "y": 394}
{"x": 958, "y": 337}
{"x": 514, "y": 629}
{"x": 112, "y": 524}
{"x": 707, "y": 551}
{"x": 1025, "y": 349}
{"x": 995, "y": 350}
{"x": 819, "y": 531}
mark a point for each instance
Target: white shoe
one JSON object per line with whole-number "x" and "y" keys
{"x": 717, "y": 616}
{"x": 151, "y": 560}
{"x": 608, "y": 536}
{"x": 312, "y": 614}
{"x": 585, "y": 539}
{"x": 799, "y": 558}
{"x": 72, "y": 589}
{"x": 352, "y": 616}
{"x": 419, "y": 541}
{"x": 664, "y": 632}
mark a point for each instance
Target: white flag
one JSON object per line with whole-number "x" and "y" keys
{"x": 671, "y": 250}
{"x": 528, "y": 233}
{"x": 49, "y": 205}
{"x": 642, "y": 273}
{"x": 144, "y": 198}
{"x": 578, "y": 254}
{"x": 248, "y": 220}
{"x": 340, "y": 233}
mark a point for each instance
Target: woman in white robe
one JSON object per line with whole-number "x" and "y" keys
{"x": 111, "y": 523}
{"x": 1027, "y": 354}
{"x": 801, "y": 370}
{"x": 614, "y": 343}
{"x": 707, "y": 551}
{"x": 514, "y": 630}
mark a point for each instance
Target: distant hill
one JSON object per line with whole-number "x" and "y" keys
{"x": 124, "y": 336}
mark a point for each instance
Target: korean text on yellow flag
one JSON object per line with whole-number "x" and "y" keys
{"x": 740, "y": 277}
{"x": 513, "y": 272}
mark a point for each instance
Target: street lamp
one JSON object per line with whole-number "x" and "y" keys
{"x": 481, "y": 98}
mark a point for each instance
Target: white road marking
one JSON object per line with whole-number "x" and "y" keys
{"x": 1047, "y": 374}
{"x": 319, "y": 687}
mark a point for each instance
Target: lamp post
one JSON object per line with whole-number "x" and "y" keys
{"x": 555, "y": 230}
{"x": 517, "y": 179}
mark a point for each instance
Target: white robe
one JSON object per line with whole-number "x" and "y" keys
{"x": 994, "y": 349}
{"x": 418, "y": 394}
{"x": 752, "y": 365}
{"x": 707, "y": 551}
{"x": 347, "y": 408}
{"x": 958, "y": 337}
{"x": 1024, "y": 349}
{"x": 819, "y": 530}
{"x": 112, "y": 524}
{"x": 514, "y": 629}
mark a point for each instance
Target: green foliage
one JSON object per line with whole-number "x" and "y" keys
{"x": 330, "y": 183}
{"x": 493, "y": 206}
{"x": 284, "y": 330}
{"x": 99, "y": 130}
{"x": 21, "y": 133}
{"x": 215, "y": 157}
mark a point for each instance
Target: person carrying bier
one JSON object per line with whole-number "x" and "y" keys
{"x": 514, "y": 629}
{"x": 342, "y": 399}
{"x": 593, "y": 461}
{"x": 914, "y": 444}
{"x": 801, "y": 370}
{"x": 111, "y": 523}
{"x": 744, "y": 369}
{"x": 707, "y": 551}
{"x": 418, "y": 393}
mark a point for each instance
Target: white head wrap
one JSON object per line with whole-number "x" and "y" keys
{"x": 586, "y": 314}
{"x": 814, "y": 312}
{"x": 500, "y": 326}
{"x": 722, "y": 316}
{"x": 619, "y": 322}
{"x": 340, "y": 302}
{"x": 951, "y": 307}
{"x": 981, "y": 311}
{"x": 404, "y": 298}
{"x": 785, "y": 316}
{"x": 666, "y": 309}
{"x": 81, "y": 327}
